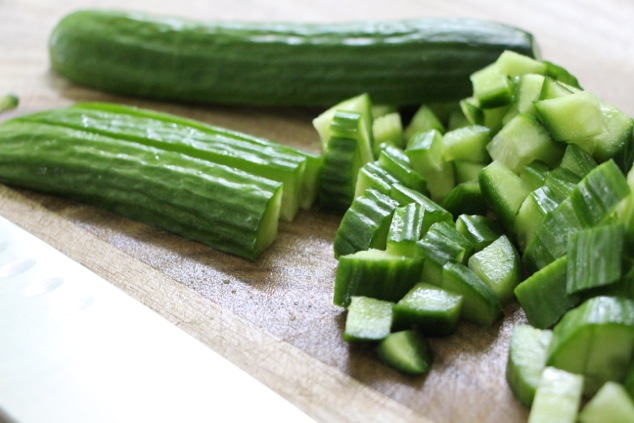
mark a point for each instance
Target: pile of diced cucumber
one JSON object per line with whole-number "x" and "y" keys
{"x": 518, "y": 193}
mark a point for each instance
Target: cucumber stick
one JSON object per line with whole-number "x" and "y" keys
{"x": 397, "y": 63}
{"x": 295, "y": 169}
{"x": 218, "y": 205}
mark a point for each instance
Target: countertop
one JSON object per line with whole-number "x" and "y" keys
{"x": 274, "y": 317}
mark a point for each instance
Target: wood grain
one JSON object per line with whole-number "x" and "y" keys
{"x": 275, "y": 317}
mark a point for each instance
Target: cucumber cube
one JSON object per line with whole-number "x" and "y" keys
{"x": 432, "y": 310}
{"x": 479, "y": 229}
{"x": 424, "y": 120}
{"x": 611, "y": 404}
{"x": 406, "y": 351}
{"x": 443, "y": 243}
{"x": 480, "y": 304}
{"x": 514, "y": 64}
{"x": 557, "y": 398}
{"x": 388, "y": 128}
{"x": 372, "y": 175}
{"x": 468, "y": 143}
{"x": 405, "y": 230}
{"x": 526, "y": 361}
{"x": 368, "y": 319}
{"x": 503, "y": 190}
{"x": 465, "y": 198}
{"x": 498, "y": 265}
{"x": 491, "y": 87}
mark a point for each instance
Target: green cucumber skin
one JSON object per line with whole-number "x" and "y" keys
{"x": 222, "y": 207}
{"x": 167, "y": 132}
{"x": 305, "y": 64}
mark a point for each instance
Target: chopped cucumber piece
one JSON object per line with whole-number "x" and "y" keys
{"x": 552, "y": 88}
{"x": 372, "y": 175}
{"x": 599, "y": 192}
{"x": 498, "y": 265}
{"x": 388, "y": 128}
{"x": 543, "y": 295}
{"x": 617, "y": 142}
{"x": 491, "y": 87}
{"x": 342, "y": 161}
{"x": 368, "y": 319}
{"x": 594, "y": 257}
{"x": 532, "y": 213}
{"x": 514, "y": 64}
{"x": 527, "y": 90}
{"x": 425, "y": 152}
{"x": 577, "y": 161}
{"x": 526, "y": 361}
{"x": 468, "y": 143}
{"x": 561, "y": 182}
{"x": 572, "y": 118}
{"x": 504, "y": 191}
{"x": 433, "y": 211}
{"x": 480, "y": 304}
{"x": 611, "y": 404}
{"x": 430, "y": 309}
{"x": 480, "y": 230}
{"x": 595, "y": 340}
{"x": 557, "y": 398}
{"x": 406, "y": 351}
{"x": 466, "y": 171}
{"x": 406, "y": 229}
{"x": 443, "y": 243}
{"x": 360, "y": 104}
{"x": 534, "y": 174}
{"x": 456, "y": 120}
{"x": 396, "y": 162}
{"x": 561, "y": 74}
{"x": 522, "y": 141}
{"x": 424, "y": 120}
{"x": 376, "y": 274}
{"x": 465, "y": 198}
{"x": 365, "y": 224}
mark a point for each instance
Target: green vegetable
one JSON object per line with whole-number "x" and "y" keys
{"x": 221, "y": 206}
{"x": 612, "y": 404}
{"x": 397, "y": 63}
{"x": 557, "y": 398}
{"x": 8, "y": 102}
{"x": 407, "y": 351}
{"x": 368, "y": 319}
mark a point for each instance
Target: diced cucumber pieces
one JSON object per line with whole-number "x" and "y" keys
{"x": 557, "y": 398}
{"x": 552, "y": 88}
{"x": 360, "y": 104}
{"x": 534, "y": 174}
{"x": 468, "y": 143}
{"x": 480, "y": 230}
{"x": 466, "y": 171}
{"x": 577, "y": 161}
{"x": 480, "y": 304}
{"x": 365, "y": 224}
{"x": 372, "y": 175}
{"x": 599, "y": 192}
{"x": 561, "y": 74}
{"x": 611, "y": 404}
{"x": 532, "y": 213}
{"x": 543, "y": 295}
{"x": 396, "y": 162}
{"x": 465, "y": 198}
{"x": 594, "y": 257}
{"x": 376, "y": 274}
{"x": 425, "y": 152}
{"x": 424, "y": 120}
{"x": 595, "y": 340}
{"x": 498, "y": 265}
{"x": 514, "y": 64}
{"x": 406, "y": 351}
{"x": 432, "y": 310}
{"x": 406, "y": 229}
{"x": 617, "y": 142}
{"x": 522, "y": 141}
{"x": 443, "y": 243}
{"x": 433, "y": 212}
{"x": 368, "y": 319}
{"x": 491, "y": 87}
{"x": 572, "y": 118}
{"x": 526, "y": 361}
{"x": 504, "y": 191}
{"x": 388, "y": 128}
{"x": 561, "y": 182}
{"x": 342, "y": 162}
{"x": 527, "y": 90}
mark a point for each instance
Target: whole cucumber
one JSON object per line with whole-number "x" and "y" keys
{"x": 306, "y": 64}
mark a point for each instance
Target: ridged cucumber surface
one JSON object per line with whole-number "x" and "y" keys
{"x": 221, "y": 206}
{"x": 396, "y": 62}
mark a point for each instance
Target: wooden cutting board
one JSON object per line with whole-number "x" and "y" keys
{"x": 275, "y": 318}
